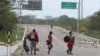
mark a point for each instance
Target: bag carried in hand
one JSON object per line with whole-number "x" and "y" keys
{"x": 37, "y": 47}
{"x": 26, "y": 48}
{"x": 47, "y": 42}
{"x": 66, "y": 38}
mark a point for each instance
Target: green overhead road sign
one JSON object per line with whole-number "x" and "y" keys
{"x": 68, "y": 5}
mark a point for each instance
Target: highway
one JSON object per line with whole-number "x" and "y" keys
{"x": 59, "y": 47}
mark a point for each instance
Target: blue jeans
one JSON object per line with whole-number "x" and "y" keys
{"x": 69, "y": 51}
{"x": 50, "y": 46}
{"x": 32, "y": 46}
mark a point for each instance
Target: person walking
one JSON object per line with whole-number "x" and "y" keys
{"x": 70, "y": 43}
{"x": 49, "y": 42}
{"x": 34, "y": 40}
{"x": 51, "y": 26}
{"x": 25, "y": 47}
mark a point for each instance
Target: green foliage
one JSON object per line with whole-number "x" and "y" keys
{"x": 64, "y": 17}
{"x": 21, "y": 33}
{"x": 4, "y": 36}
{"x": 69, "y": 24}
{"x": 92, "y": 24}
{"x": 8, "y": 19}
{"x": 95, "y": 21}
{"x": 5, "y": 2}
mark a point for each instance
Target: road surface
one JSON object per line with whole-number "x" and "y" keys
{"x": 59, "y": 47}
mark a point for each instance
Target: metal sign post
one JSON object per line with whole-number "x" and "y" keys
{"x": 8, "y": 33}
{"x": 72, "y": 5}
{"x": 78, "y": 21}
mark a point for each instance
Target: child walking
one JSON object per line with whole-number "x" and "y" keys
{"x": 49, "y": 42}
{"x": 25, "y": 47}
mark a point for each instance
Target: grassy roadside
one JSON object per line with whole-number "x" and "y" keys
{"x": 21, "y": 33}
{"x": 4, "y": 36}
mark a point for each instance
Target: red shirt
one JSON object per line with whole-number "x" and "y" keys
{"x": 71, "y": 41}
{"x": 50, "y": 39}
{"x": 36, "y": 36}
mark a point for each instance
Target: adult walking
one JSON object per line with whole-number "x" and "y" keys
{"x": 70, "y": 43}
{"x": 49, "y": 42}
{"x": 34, "y": 40}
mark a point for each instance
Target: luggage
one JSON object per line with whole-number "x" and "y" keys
{"x": 26, "y": 48}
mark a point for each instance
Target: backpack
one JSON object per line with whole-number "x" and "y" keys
{"x": 32, "y": 36}
{"x": 66, "y": 38}
{"x": 28, "y": 36}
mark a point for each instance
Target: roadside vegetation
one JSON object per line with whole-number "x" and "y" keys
{"x": 4, "y": 36}
{"x": 8, "y": 21}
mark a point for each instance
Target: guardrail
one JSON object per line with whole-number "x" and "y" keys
{"x": 87, "y": 44}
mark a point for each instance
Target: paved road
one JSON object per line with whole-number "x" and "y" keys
{"x": 59, "y": 48}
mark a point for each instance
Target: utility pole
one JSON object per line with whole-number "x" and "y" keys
{"x": 81, "y": 9}
{"x": 19, "y": 14}
{"x": 78, "y": 21}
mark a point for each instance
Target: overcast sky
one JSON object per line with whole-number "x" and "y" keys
{"x": 53, "y": 8}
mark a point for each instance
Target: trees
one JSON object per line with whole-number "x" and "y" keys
{"x": 28, "y": 19}
{"x": 8, "y": 21}
{"x": 1, "y": 27}
{"x": 8, "y": 18}
{"x": 63, "y": 17}
{"x": 95, "y": 21}
{"x": 92, "y": 24}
